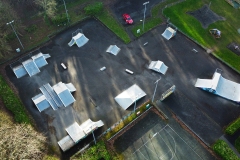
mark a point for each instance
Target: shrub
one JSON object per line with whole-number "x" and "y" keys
{"x": 60, "y": 19}
{"x": 13, "y": 103}
{"x": 10, "y": 36}
{"x": 31, "y": 28}
{"x": 237, "y": 144}
{"x": 95, "y": 152}
{"x": 223, "y": 150}
{"x": 94, "y": 9}
{"x": 233, "y": 127}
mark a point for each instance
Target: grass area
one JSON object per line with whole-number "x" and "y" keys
{"x": 233, "y": 127}
{"x": 107, "y": 19}
{"x": 153, "y": 21}
{"x": 224, "y": 151}
{"x": 237, "y": 144}
{"x": 192, "y": 27}
{"x": 95, "y": 152}
{"x": 13, "y": 103}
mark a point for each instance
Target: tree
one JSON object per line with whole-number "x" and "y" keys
{"x": 49, "y": 7}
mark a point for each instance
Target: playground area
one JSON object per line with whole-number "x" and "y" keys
{"x": 158, "y": 140}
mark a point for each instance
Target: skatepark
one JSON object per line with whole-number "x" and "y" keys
{"x": 96, "y": 89}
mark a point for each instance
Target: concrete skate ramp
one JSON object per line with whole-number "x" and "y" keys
{"x": 79, "y": 40}
{"x": 169, "y": 33}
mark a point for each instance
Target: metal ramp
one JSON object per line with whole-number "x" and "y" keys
{"x": 19, "y": 71}
{"x": 169, "y": 33}
{"x": 79, "y": 40}
{"x": 30, "y": 67}
{"x": 49, "y": 98}
{"x": 41, "y": 102}
{"x": 158, "y": 66}
{"x": 64, "y": 94}
{"x": 71, "y": 43}
{"x": 78, "y": 132}
{"x": 40, "y": 60}
{"x": 113, "y": 49}
{"x": 82, "y": 41}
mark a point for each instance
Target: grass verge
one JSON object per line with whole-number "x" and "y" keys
{"x": 233, "y": 127}
{"x": 107, "y": 19}
{"x": 237, "y": 144}
{"x": 224, "y": 151}
{"x": 153, "y": 21}
{"x": 13, "y": 103}
{"x": 192, "y": 27}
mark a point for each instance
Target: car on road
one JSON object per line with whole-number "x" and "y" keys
{"x": 127, "y": 18}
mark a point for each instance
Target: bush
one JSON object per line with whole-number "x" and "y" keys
{"x": 237, "y": 144}
{"x": 13, "y": 103}
{"x": 31, "y": 28}
{"x": 233, "y": 127}
{"x": 94, "y": 9}
{"x": 60, "y": 19}
{"x": 223, "y": 150}
{"x": 95, "y": 152}
{"x": 10, "y": 36}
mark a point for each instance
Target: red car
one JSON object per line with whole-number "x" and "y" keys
{"x": 127, "y": 18}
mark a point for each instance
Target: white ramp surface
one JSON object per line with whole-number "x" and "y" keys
{"x": 77, "y": 132}
{"x": 113, "y": 49}
{"x": 41, "y": 102}
{"x": 66, "y": 143}
{"x": 129, "y": 96}
{"x": 79, "y": 40}
{"x": 19, "y": 71}
{"x": 220, "y": 86}
{"x": 30, "y": 67}
{"x": 158, "y": 66}
{"x": 169, "y": 33}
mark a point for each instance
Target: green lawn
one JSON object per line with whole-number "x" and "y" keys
{"x": 13, "y": 103}
{"x": 192, "y": 27}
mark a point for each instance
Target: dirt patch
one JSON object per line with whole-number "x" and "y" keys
{"x": 205, "y": 16}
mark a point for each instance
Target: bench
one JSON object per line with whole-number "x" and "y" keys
{"x": 63, "y": 65}
{"x": 128, "y": 71}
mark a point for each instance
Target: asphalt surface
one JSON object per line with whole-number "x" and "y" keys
{"x": 152, "y": 138}
{"x": 96, "y": 90}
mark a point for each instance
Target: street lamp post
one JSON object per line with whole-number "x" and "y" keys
{"x": 66, "y": 10}
{"x": 155, "y": 88}
{"x": 15, "y": 32}
{"x": 144, "y": 13}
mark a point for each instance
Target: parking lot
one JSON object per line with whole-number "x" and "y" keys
{"x": 96, "y": 89}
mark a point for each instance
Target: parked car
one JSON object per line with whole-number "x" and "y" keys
{"x": 127, "y": 18}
